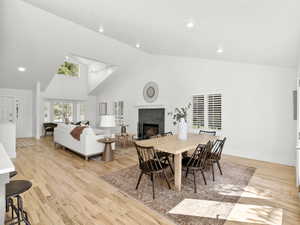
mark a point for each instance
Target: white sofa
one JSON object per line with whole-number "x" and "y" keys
{"x": 88, "y": 144}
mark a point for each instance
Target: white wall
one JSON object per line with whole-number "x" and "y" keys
{"x": 257, "y": 100}
{"x": 298, "y": 130}
{"x": 91, "y": 110}
{"x": 75, "y": 89}
{"x": 95, "y": 78}
{"x": 38, "y": 110}
{"x": 71, "y": 88}
{"x": 25, "y": 123}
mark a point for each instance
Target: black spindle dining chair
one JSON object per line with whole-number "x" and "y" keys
{"x": 215, "y": 155}
{"x": 155, "y": 136}
{"x": 150, "y": 164}
{"x": 212, "y": 132}
{"x": 170, "y": 133}
{"x": 198, "y": 162}
{"x": 164, "y": 156}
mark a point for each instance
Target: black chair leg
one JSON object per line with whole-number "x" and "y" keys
{"x": 6, "y": 205}
{"x": 12, "y": 208}
{"x": 213, "y": 171}
{"x": 219, "y": 166}
{"x": 195, "y": 185}
{"x": 168, "y": 160}
{"x": 187, "y": 172}
{"x": 167, "y": 179}
{"x": 203, "y": 177}
{"x": 153, "y": 190}
{"x": 26, "y": 219}
{"x": 139, "y": 180}
{"x": 19, "y": 211}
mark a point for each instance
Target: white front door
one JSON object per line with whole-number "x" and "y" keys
{"x": 7, "y": 109}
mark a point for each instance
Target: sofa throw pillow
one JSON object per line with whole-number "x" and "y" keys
{"x": 76, "y": 132}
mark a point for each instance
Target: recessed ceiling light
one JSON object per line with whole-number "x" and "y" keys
{"x": 220, "y": 50}
{"x": 138, "y": 45}
{"x": 22, "y": 69}
{"x": 101, "y": 29}
{"x": 190, "y": 24}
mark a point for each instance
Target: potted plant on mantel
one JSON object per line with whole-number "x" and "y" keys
{"x": 179, "y": 117}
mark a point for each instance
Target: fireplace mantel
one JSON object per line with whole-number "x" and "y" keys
{"x": 151, "y": 106}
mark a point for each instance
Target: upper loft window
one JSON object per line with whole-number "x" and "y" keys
{"x": 69, "y": 69}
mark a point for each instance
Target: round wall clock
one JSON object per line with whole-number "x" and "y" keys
{"x": 150, "y": 92}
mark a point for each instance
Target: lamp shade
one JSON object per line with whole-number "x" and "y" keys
{"x": 108, "y": 121}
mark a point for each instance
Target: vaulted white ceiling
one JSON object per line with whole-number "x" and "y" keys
{"x": 38, "y": 40}
{"x": 252, "y": 31}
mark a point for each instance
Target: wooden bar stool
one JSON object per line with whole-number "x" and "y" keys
{"x": 11, "y": 175}
{"x": 13, "y": 191}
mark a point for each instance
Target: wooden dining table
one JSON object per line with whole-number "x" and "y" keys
{"x": 171, "y": 144}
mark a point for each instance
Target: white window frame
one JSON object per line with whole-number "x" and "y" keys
{"x": 76, "y": 108}
{"x": 206, "y": 94}
{"x": 213, "y": 123}
{"x": 74, "y": 116}
{"x": 193, "y": 112}
{"x": 118, "y": 111}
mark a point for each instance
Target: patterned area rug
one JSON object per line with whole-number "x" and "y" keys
{"x": 117, "y": 153}
{"x": 226, "y": 189}
{"x": 25, "y": 142}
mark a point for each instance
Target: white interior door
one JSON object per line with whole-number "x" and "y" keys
{"x": 7, "y": 109}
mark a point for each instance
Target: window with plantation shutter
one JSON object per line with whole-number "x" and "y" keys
{"x": 119, "y": 112}
{"x": 198, "y": 111}
{"x": 214, "y": 111}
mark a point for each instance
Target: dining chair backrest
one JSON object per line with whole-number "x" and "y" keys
{"x": 49, "y": 125}
{"x": 213, "y": 133}
{"x": 148, "y": 158}
{"x": 167, "y": 134}
{"x": 200, "y": 156}
{"x": 161, "y": 135}
{"x": 155, "y": 136}
{"x": 218, "y": 148}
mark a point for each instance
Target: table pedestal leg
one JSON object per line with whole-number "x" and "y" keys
{"x": 178, "y": 170}
{"x": 108, "y": 153}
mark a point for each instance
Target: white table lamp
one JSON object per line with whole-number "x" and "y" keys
{"x": 108, "y": 121}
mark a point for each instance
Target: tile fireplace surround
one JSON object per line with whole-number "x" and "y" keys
{"x": 150, "y": 122}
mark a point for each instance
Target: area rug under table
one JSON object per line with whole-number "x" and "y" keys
{"x": 212, "y": 201}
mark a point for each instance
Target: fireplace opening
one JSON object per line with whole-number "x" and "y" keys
{"x": 150, "y": 122}
{"x": 150, "y": 130}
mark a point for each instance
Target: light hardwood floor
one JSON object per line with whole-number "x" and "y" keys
{"x": 68, "y": 190}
